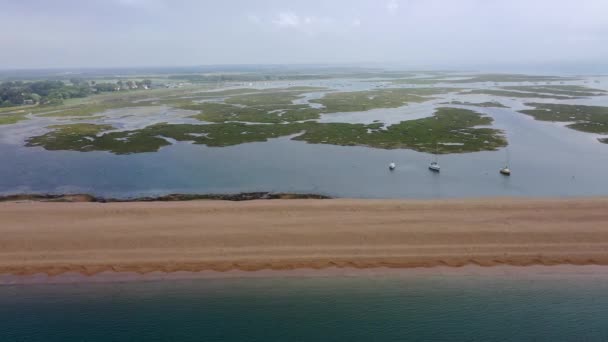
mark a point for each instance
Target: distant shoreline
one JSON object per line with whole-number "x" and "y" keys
{"x": 193, "y": 236}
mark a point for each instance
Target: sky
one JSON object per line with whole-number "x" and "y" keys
{"x": 410, "y": 33}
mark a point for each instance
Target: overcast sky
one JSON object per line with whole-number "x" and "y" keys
{"x": 416, "y": 33}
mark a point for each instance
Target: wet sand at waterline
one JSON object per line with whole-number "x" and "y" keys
{"x": 142, "y": 237}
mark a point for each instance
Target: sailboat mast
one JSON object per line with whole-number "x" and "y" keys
{"x": 436, "y": 151}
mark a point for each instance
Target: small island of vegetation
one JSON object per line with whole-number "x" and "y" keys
{"x": 450, "y": 130}
{"x": 590, "y": 119}
{"x": 488, "y": 104}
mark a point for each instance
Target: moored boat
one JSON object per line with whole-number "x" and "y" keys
{"x": 506, "y": 171}
{"x": 434, "y": 166}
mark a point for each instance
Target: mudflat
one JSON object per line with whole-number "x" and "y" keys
{"x": 55, "y": 238}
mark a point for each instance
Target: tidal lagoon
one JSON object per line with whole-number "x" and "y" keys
{"x": 547, "y": 159}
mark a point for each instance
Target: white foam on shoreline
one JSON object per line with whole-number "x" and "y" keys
{"x": 520, "y": 272}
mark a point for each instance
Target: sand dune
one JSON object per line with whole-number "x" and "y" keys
{"x": 55, "y": 238}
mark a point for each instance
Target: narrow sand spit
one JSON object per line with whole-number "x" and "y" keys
{"x": 90, "y": 238}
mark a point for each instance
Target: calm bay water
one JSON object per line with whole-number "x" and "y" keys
{"x": 546, "y": 161}
{"x": 455, "y": 307}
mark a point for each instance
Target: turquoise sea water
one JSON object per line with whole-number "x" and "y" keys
{"x": 383, "y": 308}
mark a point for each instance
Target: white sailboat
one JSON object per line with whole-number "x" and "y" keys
{"x": 434, "y": 165}
{"x": 506, "y": 171}
{"x": 392, "y": 166}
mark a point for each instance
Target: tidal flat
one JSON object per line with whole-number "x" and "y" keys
{"x": 327, "y": 136}
{"x": 460, "y": 78}
{"x": 8, "y": 119}
{"x": 516, "y": 94}
{"x": 238, "y": 115}
{"x": 565, "y": 90}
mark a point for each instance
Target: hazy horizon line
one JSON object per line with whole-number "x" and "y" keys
{"x": 561, "y": 67}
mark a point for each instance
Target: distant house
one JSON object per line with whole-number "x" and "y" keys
{"x": 28, "y": 102}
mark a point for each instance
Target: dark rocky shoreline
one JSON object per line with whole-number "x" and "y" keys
{"x": 245, "y": 196}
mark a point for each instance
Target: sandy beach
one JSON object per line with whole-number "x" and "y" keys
{"x": 145, "y": 237}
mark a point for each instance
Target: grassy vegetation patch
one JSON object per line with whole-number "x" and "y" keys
{"x": 89, "y": 137}
{"x": 226, "y": 92}
{"x": 359, "y": 101}
{"x": 225, "y": 134}
{"x": 591, "y": 119}
{"x": 75, "y": 137}
{"x": 264, "y": 106}
{"x": 86, "y": 110}
{"x": 264, "y": 99}
{"x": 9, "y": 119}
{"x": 275, "y": 107}
{"x": 221, "y": 112}
{"x": 215, "y": 94}
{"x": 15, "y": 109}
{"x": 451, "y": 130}
{"x": 85, "y": 137}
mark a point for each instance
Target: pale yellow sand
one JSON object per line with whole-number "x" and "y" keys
{"x": 90, "y": 238}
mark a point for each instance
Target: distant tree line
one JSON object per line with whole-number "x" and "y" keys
{"x": 53, "y": 92}
{"x": 44, "y": 92}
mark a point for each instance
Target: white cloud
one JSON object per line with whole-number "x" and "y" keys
{"x": 356, "y": 22}
{"x": 287, "y": 19}
{"x": 392, "y": 6}
{"x": 308, "y": 24}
